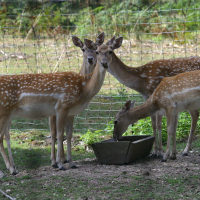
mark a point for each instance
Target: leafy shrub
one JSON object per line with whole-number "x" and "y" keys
{"x": 114, "y": 17}
{"x": 91, "y": 137}
{"x": 143, "y": 126}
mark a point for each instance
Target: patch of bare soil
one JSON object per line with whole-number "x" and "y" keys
{"x": 151, "y": 167}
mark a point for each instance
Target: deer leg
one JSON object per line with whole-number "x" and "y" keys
{"x": 174, "y": 151}
{"x": 1, "y": 174}
{"x": 194, "y": 116}
{"x": 159, "y": 128}
{"x": 4, "y": 128}
{"x": 7, "y": 136}
{"x": 60, "y": 123}
{"x": 153, "y": 122}
{"x": 69, "y": 132}
{"x": 172, "y": 119}
{"x": 52, "y": 125}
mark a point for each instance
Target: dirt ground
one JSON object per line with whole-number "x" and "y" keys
{"x": 149, "y": 175}
{"x": 151, "y": 167}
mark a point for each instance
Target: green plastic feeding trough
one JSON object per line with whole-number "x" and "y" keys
{"x": 124, "y": 151}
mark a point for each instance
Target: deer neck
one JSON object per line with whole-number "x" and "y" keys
{"x": 128, "y": 76}
{"x": 83, "y": 69}
{"x": 93, "y": 81}
{"x": 86, "y": 68}
{"x": 147, "y": 109}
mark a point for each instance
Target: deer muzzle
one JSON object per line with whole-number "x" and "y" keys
{"x": 90, "y": 60}
{"x": 104, "y": 64}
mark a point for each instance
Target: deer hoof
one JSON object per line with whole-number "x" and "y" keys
{"x": 74, "y": 167}
{"x": 55, "y": 165}
{"x": 185, "y": 154}
{"x": 160, "y": 156}
{"x": 14, "y": 173}
{"x": 66, "y": 161}
{"x": 153, "y": 155}
{"x": 163, "y": 160}
{"x": 62, "y": 168}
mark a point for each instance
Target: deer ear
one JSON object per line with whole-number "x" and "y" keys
{"x": 100, "y": 39}
{"x": 110, "y": 42}
{"x": 90, "y": 44}
{"x": 127, "y": 105}
{"x": 132, "y": 104}
{"x": 117, "y": 43}
{"x": 77, "y": 42}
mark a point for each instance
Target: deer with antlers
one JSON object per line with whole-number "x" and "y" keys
{"x": 58, "y": 94}
{"x": 146, "y": 78}
{"x": 88, "y": 65}
{"x": 173, "y": 95}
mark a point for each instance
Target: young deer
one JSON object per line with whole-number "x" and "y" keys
{"x": 173, "y": 95}
{"x": 145, "y": 79}
{"x": 89, "y": 62}
{"x": 88, "y": 65}
{"x": 37, "y": 96}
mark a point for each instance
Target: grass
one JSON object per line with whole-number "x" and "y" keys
{"x": 32, "y": 151}
{"x": 59, "y": 187}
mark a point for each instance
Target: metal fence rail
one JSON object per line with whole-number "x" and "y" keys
{"x": 35, "y": 37}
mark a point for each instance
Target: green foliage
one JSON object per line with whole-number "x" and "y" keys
{"x": 99, "y": 9}
{"x": 109, "y": 128}
{"x": 184, "y": 124}
{"x": 36, "y": 136}
{"x": 122, "y": 92}
{"x": 114, "y": 17}
{"x": 91, "y": 137}
{"x": 143, "y": 127}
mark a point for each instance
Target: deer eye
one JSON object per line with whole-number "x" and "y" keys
{"x": 115, "y": 122}
{"x": 83, "y": 50}
{"x": 97, "y": 52}
{"x": 110, "y": 52}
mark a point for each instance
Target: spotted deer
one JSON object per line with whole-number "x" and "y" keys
{"x": 145, "y": 79}
{"x": 88, "y": 65}
{"x": 38, "y": 96}
{"x": 173, "y": 95}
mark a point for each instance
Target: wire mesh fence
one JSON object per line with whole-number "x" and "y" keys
{"x": 35, "y": 37}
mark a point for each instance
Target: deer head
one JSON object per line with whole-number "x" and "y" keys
{"x": 121, "y": 123}
{"x": 104, "y": 51}
{"x": 89, "y": 55}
